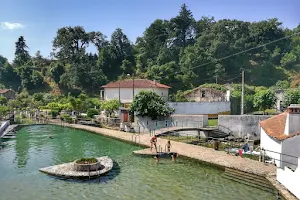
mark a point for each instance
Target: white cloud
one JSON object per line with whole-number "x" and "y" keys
{"x": 11, "y": 26}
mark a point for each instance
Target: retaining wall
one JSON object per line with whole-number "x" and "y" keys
{"x": 243, "y": 125}
{"x": 200, "y": 108}
{"x": 146, "y": 124}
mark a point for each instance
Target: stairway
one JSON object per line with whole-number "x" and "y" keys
{"x": 251, "y": 180}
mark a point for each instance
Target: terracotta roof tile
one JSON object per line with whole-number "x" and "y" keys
{"x": 138, "y": 83}
{"x": 275, "y": 126}
{"x": 3, "y": 91}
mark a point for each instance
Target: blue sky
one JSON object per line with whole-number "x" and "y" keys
{"x": 38, "y": 20}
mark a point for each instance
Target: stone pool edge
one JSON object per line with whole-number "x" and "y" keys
{"x": 52, "y": 171}
{"x": 127, "y": 137}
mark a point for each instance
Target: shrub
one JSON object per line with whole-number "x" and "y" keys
{"x": 54, "y": 113}
{"x": 66, "y": 117}
{"x": 91, "y": 112}
{"x": 86, "y": 160}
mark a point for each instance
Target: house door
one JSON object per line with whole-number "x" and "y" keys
{"x": 125, "y": 117}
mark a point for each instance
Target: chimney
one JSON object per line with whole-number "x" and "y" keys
{"x": 292, "y": 124}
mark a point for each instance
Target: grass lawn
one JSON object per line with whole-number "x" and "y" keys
{"x": 212, "y": 122}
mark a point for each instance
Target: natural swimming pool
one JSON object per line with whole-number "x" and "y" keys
{"x": 134, "y": 178}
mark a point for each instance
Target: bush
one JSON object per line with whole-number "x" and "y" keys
{"x": 54, "y": 113}
{"x": 91, "y": 112}
{"x": 66, "y": 117}
{"x": 86, "y": 160}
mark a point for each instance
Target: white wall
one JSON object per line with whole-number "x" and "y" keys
{"x": 268, "y": 143}
{"x": 291, "y": 146}
{"x": 200, "y": 108}
{"x": 292, "y": 124}
{"x": 3, "y": 126}
{"x": 126, "y": 93}
{"x": 290, "y": 179}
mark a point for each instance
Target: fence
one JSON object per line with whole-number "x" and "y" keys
{"x": 282, "y": 162}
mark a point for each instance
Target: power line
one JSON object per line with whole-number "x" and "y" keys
{"x": 241, "y": 52}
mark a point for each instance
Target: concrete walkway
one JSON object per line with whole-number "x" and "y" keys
{"x": 209, "y": 155}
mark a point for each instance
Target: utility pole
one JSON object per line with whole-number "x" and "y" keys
{"x": 119, "y": 93}
{"x": 132, "y": 86}
{"x": 243, "y": 85}
{"x": 216, "y": 78}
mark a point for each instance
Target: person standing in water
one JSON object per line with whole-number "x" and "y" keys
{"x": 156, "y": 157}
{"x": 168, "y": 146}
{"x": 153, "y": 143}
{"x": 174, "y": 156}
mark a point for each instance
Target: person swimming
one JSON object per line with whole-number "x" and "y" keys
{"x": 50, "y": 137}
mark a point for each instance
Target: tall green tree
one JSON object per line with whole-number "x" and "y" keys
{"x": 264, "y": 99}
{"x": 150, "y": 104}
{"x": 21, "y": 54}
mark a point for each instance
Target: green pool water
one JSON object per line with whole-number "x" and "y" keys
{"x": 134, "y": 178}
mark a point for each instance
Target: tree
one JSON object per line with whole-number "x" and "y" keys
{"x": 110, "y": 106}
{"x": 3, "y": 100}
{"x": 183, "y": 27}
{"x": 71, "y": 42}
{"x": 91, "y": 112}
{"x": 291, "y": 96}
{"x": 264, "y": 99}
{"x": 21, "y": 54}
{"x": 3, "y": 111}
{"x": 148, "y": 103}
{"x": 56, "y": 70}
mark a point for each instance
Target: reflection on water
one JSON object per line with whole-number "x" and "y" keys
{"x": 133, "y": 177}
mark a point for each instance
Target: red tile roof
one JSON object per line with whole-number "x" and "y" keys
{"x": 274, "y": 127}
{"x": 3, "y": 91}
{"x": 138, "y": 83}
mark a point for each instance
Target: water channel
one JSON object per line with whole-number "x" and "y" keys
{"x": 134, "y": 178}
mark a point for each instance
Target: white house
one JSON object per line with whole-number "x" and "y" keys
{"x": 280, "y": 138}
{"x": 124, "y": 90}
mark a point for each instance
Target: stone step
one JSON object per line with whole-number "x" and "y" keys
{"x": 247, "y": 175}
{"x": 8, "y": 137}
{"x": 249, "y": 179}
{"x": 245, "y": 182}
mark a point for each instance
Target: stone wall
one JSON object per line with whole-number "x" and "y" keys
{"x": 146, "y": 124}
{"x": 200, "y": 108}
{"x": 243, "y": 125}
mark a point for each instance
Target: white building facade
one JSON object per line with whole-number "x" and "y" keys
{"x": 280, "y": 140}
{"x": 125, "y": 90}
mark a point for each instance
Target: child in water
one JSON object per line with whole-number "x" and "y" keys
{"x": 169, "y": 146}
{"x": 156, "y": 157}
{"x": 174, "y": 156}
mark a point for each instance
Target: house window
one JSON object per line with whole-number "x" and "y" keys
{"x": 203, "y": 93}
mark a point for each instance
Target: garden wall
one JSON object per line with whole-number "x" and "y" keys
{"x": 201, "y": 108}
{"x": 243, "y": 125}
{"x": 146, "y": 124}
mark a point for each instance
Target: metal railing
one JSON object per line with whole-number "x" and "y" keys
{"x": 134, "y": 138}
{"x": 280, "y": 160}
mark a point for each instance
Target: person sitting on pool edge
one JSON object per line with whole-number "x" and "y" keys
{"x": 153, "y": 142}
{"x": 169, "y": 146}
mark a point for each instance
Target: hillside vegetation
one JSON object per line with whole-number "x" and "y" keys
{"x": 182, "y": 52}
